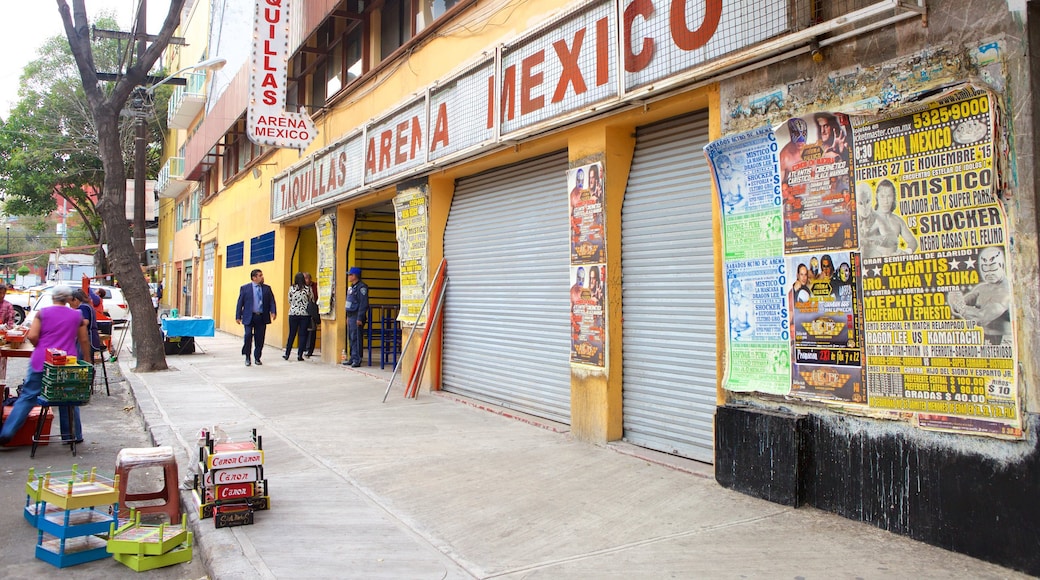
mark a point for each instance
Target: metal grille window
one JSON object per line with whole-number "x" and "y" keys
{"x": 235, "y": 255}
{"x": 261, "y": 248}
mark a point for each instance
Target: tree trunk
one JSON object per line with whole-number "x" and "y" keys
{"x": 124, "y": 261}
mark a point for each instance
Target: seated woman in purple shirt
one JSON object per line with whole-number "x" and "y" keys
{"x": 55, "y": 326}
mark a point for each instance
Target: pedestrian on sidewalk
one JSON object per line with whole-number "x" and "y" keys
{"x": 256, "y": 309}
{"x": 312, "y": 311}
{"x": 299, "y": 298}
{"x": 357, "y": 313}
{"x": 53, "y": 327}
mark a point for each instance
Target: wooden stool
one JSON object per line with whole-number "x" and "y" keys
{"x": 130, "y": 459}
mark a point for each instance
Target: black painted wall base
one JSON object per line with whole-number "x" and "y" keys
{"x": 761, "y": 453}
{"x": 951, "y": 495}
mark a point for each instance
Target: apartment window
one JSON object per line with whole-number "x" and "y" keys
{"x": 317, "y": 96}
{"x": 355, "y": 53}
{"x": 334, "y": 70}
{"x": 430, "y": 10}
{"x": 395, "y": 26}
{"x": 178, "y": 216}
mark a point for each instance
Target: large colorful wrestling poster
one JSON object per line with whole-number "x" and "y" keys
{"x": 816, "y": 180}
{"x": 588, "y": 244}
{"x": 588, "y": 305}
{"x": 826, "y": 326}
{"x": 937, "y": 294}
{"x": 890, "y": 264}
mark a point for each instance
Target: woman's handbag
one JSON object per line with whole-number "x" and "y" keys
{"x": 312, "y": 311}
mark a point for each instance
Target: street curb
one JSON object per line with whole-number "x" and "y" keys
{"x": 206, "y": 545}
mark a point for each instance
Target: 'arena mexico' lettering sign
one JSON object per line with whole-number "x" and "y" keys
{"x": 267, "y": 121}
{"x": 582, "y": 60}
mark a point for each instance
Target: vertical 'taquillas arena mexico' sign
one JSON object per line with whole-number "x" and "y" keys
{"x": 267, "y": 121}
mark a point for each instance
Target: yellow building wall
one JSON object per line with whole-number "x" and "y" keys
{"x": 243, "y": 207}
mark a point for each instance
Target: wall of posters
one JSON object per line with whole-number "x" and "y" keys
{"x": 326, "y": 274}
{"x": 412, "y": 222}
{"x": 588, "y": 264}
{"x": 893, "y": 263}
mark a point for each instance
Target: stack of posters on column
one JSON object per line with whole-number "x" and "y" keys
{"x": 231, "y": 486}
{"x": 873, "y": 260}
{"x": 588, "y": 264}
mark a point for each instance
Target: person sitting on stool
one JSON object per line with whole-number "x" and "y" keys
{"x": 357, "y": 314}
{"x": 54, "y": 327}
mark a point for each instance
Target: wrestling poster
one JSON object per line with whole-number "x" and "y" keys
{"x": 744, "y": 167}
{"x": 936, "y": 278}
{"x": 588, "y": 301}
{"x": 325, "y": 275}
{"x": 826, "y": 326}
{"x": 758, "y": 353}
{"x": 585, "y": 183}
{"x": 816, "y": 181}
{"x": 412, "y": 222}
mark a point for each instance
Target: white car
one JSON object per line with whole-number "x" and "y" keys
{"x": 115, "y": 304}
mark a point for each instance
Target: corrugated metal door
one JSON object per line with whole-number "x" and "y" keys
{"x": 668, "y": 291}
{"x": 507, "y": 312}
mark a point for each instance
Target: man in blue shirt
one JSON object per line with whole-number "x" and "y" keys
{"x": 255, "y": 310}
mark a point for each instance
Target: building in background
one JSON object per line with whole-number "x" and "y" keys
{"x": 555, "y": 157}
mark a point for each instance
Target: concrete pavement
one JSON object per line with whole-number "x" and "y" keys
{"x": 440, "y": 487}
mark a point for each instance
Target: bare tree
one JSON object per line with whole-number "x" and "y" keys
{"x": 106, "y": 108}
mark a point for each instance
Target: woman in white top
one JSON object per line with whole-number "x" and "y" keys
{"x": 299, "y": 296}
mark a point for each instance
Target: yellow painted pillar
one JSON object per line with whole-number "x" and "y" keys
{"x": 596, "y": 405}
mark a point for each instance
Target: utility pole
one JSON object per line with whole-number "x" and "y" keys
{"x": 140, "y": 137}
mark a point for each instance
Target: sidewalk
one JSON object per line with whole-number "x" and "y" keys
{"x": 436, "y": 488}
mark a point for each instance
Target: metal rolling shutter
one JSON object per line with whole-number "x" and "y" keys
{"x": 507, "y": 312}
{"x": 669, "y": 291}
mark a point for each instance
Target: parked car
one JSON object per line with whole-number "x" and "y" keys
{"x": 115, "y": 304}
{"x": 20, "y": 301}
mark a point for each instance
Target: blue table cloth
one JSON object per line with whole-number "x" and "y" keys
{"x": 188, "y": 326}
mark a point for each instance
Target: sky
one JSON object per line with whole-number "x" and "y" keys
{"x": 34, "y": 21}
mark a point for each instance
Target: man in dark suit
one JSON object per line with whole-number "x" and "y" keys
{"x": 255, "y": 310}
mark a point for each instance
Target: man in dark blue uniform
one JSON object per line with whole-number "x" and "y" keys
{"x": 357, "y": 314}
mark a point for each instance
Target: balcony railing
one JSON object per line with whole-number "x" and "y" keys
{"x": 187, "y": 102}
{"x": 171, "y": 182}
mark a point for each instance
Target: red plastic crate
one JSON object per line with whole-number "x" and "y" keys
{"x": 24, "y": 435}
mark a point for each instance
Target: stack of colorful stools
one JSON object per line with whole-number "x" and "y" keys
{"x": 72, "y": 511}
{"x": 231, "y": 487}
{"x": 147, "y": 547}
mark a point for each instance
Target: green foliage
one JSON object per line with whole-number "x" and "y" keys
{"x": 48, "y": 143}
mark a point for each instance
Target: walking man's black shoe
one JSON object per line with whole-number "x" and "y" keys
{"x": 258, "y": 363}
{"x": 355, "y": 365}
{"x": 248, "y": 362}
{"x": 285, "y": 357}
